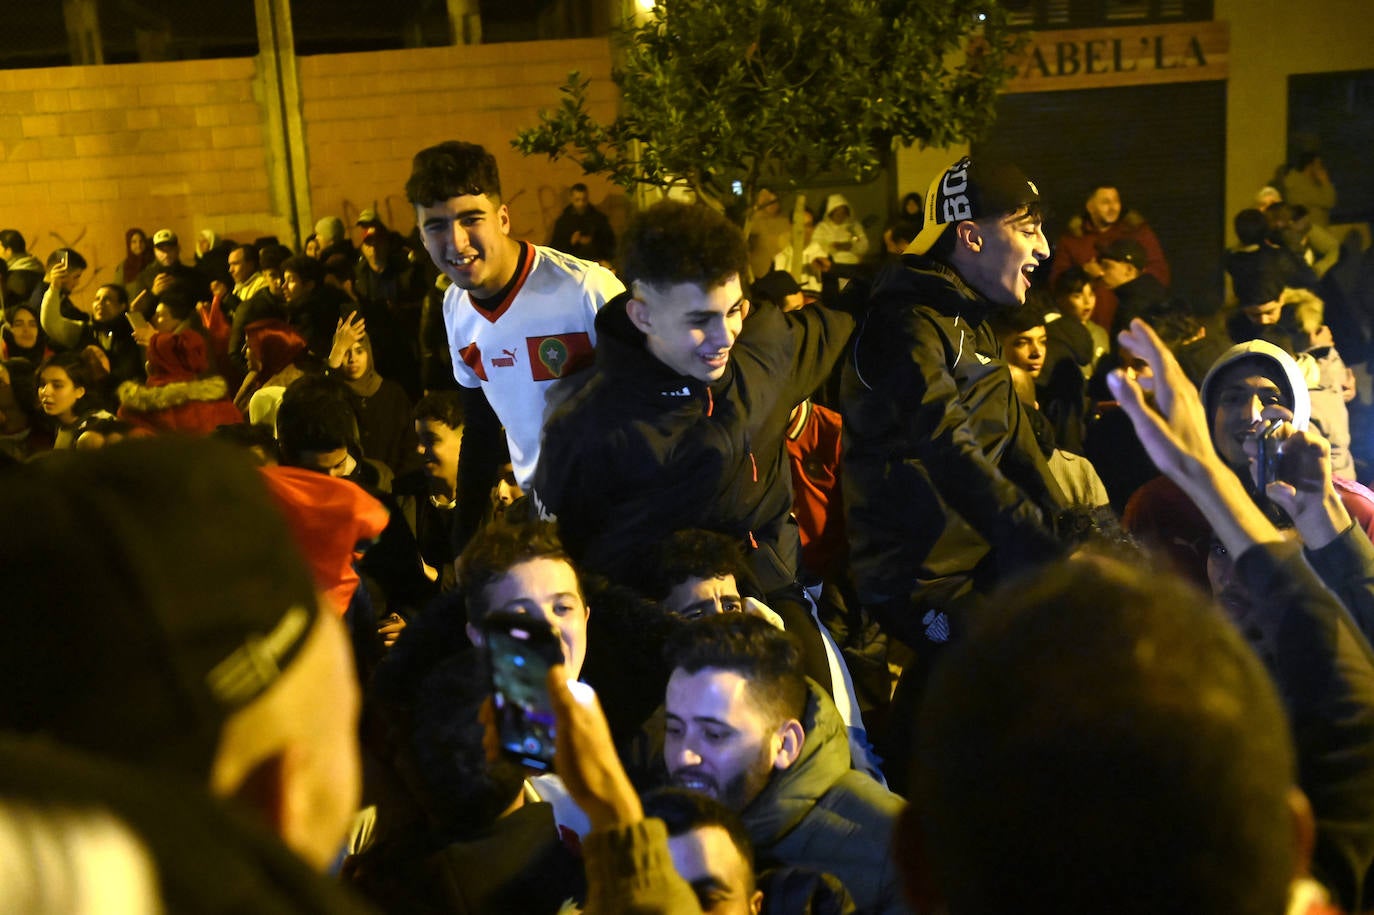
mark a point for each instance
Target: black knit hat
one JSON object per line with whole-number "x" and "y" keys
{"x": 151, "y": 590}
{"x": 774, "y": 286}
{"x": 1126, "y": 251}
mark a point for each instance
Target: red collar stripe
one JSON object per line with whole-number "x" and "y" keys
{"x": 494, "y": 315}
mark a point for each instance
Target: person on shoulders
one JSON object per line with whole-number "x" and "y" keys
{"x": 519, "y": 317}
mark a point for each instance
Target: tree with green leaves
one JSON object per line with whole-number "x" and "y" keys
{"x": 722, "y": 94}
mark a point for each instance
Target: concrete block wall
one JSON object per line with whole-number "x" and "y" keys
{"x": 87, "y": 152}
{"x": 367, "y": 114}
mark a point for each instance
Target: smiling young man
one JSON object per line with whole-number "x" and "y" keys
{"x": 945, "y": 488}
{"x": 682, "y": 423}
{"x": 523, "y": 568}
{"x": 519, "y": 316}
{"x": 1250, "y": 383}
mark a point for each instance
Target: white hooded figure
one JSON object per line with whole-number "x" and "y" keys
{"x": 839, "y": 233}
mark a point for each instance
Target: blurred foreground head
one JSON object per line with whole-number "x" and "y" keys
{"x": 161, "y": 615}
{"x": 1106, "y": 742}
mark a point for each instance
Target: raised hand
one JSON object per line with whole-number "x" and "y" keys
{"x": 346, "y": 333}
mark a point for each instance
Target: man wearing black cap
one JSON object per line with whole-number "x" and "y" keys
{"x": 1123, "y": 265}
{"x": 389, "y": 276}
{"x": 945, "y": 488}
{"x": 780, "y": 288}
{"x": 182, "y": 644}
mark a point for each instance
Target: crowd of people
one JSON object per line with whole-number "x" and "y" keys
{"x": 965, "y": 574}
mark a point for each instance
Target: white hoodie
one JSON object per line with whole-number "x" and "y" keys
{"x": 844, "y": 242}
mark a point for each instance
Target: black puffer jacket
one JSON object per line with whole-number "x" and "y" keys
{"x": 641, "y": 451}
{"x": 945, "y": 489}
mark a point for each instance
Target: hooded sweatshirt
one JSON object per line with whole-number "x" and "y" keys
{"x": 179, "y": 396}
{"x": 385, "y": 429}
{"x": 822, "y": 814}
{"x": 1161, "y": 515}
{"x": 1274, "y": 364}
{"x": 845, "y": 242}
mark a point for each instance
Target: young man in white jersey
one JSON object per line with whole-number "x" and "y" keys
{"x": 518, "y": 316}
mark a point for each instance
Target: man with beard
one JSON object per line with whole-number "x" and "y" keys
{"x": 166, "y": 267}
{"x": 1103, "y": 222}
{"x": 744, "y": 727}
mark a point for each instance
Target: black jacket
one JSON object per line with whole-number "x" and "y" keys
{"x": 437, "y": 530}
{"x": 590, "y": 222}
{"x": 945, "y": 487}
{"x": 1324, "y": 670}
{"x": 640, "y": 451}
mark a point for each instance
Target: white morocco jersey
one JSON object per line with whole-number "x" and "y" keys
{"x": 541, "y": 331}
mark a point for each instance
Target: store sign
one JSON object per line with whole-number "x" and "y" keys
{"x": 1125, "y": 56}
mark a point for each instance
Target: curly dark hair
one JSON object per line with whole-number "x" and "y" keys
{"x": 1019, "y": 320}
{"x": 1071, "y": 281}
{"x": 307, "y": 268}
{"x": 672, "y": 243}
{"x": 316, "y": 414}
{"x": 694, "y": 554}
{"x": 452, "y": 169}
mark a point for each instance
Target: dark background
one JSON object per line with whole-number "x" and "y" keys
{"x": 1333, "y": 113}
{"x": 1164, "y": 147}
{"x": 35, "y": 34}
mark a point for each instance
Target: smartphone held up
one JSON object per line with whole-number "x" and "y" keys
{"x": 520, "y": 650}
{"x": 1267, "y": 452}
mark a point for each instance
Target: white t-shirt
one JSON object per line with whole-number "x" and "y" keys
{"x": 542, "y": 331}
